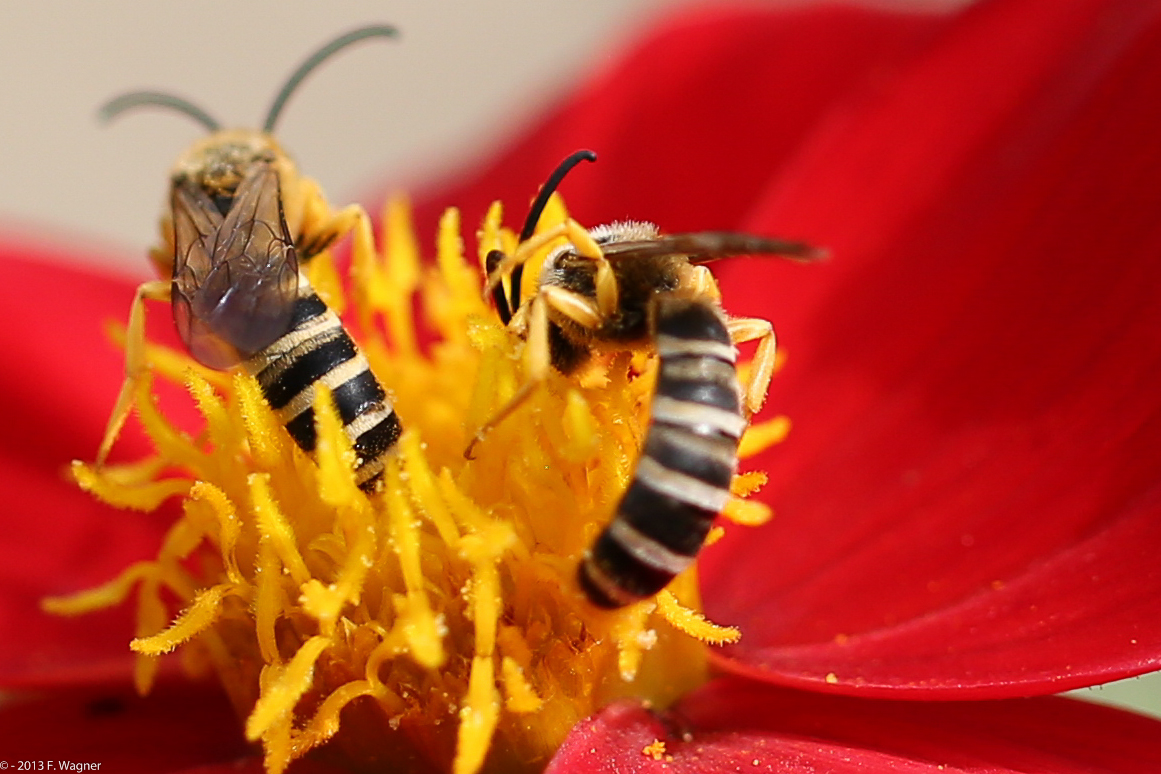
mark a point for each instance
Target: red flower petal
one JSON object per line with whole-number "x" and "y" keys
{"x": 57, "y": 539}
{"x": 177, "y": 727}
{"x": 926, "y": 439}
{"x": 690, "y": 125}
{"x": 969, "y": 502}
{"x": 254, "y": 765}
{"x": 737, "y": 726}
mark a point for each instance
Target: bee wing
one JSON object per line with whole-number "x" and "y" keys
{"x": 707, "y": 246}
{"x": 235, "y": 278}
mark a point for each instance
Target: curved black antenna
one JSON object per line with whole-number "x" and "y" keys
{"x": 537, "y": 209}
{"x": 317, "y": 58}
{"x": 549, "y": 188}
{"x": 133, "y": 99}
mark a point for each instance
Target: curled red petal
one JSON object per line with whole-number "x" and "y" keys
{"x": 968, "y": 504}
{"x": 1080, "y": 618}
{"x": 735, "y": 725}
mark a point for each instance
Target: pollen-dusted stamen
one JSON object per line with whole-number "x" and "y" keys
{"x": 439, "y": 618}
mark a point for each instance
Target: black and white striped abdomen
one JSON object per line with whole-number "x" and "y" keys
{"x": 317, "y": 350}
{"x": 683, "y": 477}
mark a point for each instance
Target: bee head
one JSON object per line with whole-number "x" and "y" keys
{"x": 219, "y": 162}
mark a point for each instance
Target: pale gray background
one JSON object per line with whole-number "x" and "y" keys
{"x": 461, "y": 78}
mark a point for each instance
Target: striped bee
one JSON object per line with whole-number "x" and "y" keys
{"x": 624, "y": 287}
{"x": 241, "y": 220}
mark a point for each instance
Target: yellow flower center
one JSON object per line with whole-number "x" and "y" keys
{"x": 437, "y": 622}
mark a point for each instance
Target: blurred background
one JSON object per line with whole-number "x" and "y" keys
{"x": 459, "y": 81}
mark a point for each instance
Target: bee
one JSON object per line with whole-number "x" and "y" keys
{"x": 625, "y": 287}
{"x": 241, "y": 223}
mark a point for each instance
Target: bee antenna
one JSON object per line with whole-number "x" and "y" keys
{"x": 534, "y": 213}
{"x": 135, "y": 99}
{"x": 549, "y": 188}
{"x": 317, "y": 58}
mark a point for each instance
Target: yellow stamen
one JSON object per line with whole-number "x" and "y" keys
{"x": 418, "y": 620}
{"x": 748, "y": 513}
{"x": 761, "y": 436}
{"x": 745, "y": 484}
{"x": 285, "y": 686}
{"x": 716, "y": 533}
{"x": 438, "y": 618}
{"x": 521, "y": 697}
{"x": 137, "y": 497}
{"x": 107, "y": 594}
{"x": 200, "y": 615}
{"x": 694, "y": 623}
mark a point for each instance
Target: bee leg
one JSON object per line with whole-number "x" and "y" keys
{"x": 367, "y": 271}
{"x": 537, "y": 352}
{"x": 608, "y": 294}
{"x": 701, "y": 283}
{"x": 321, "y": 227}
{"x": 505, "y": 265}
{"x": 158, "y": 290}
{"x": 762, "y": 367}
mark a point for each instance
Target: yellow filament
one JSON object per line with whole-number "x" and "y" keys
{"x": 285, "y": 687}
{"x": 478, "y": 718}
{"x": 229, "y": 525}
{"x": 422, "y": 628}
{"x": 136, "y": 497}
{"x": 488, "y": 237}
{"x": 762, "y": 436}
{"x": 268, "y": 601}
{"x": 196, "y": 618}
{"x": 263, "y": 435}
{"x": 106, "y": 595}
{"x": 694, "y": 623}
{"x": 324, "y": 278}
{"x": 276, "y": 529}
{"x": 520, "y": 698}
{"x": 333, "y": 453}
{"x": 748, "y": 513}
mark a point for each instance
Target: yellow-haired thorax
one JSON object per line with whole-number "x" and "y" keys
{"x": 218, "y": 162}
{"x": 437, "y": 622}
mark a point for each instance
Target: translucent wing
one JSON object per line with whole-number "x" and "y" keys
{"x": 235, "y": 278}
{"x": 708, "y": 246}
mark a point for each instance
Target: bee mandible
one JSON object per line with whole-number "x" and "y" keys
{"x": 240, "y": 224}
{"x": 625, "y": 287}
